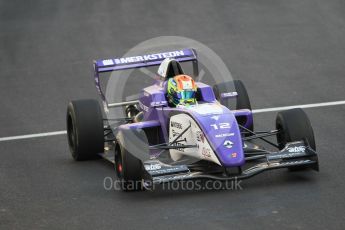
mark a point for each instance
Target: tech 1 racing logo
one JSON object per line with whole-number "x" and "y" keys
{"x": 228, "y": 144}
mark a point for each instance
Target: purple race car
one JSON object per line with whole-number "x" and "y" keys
{"x": 212, "y": 139}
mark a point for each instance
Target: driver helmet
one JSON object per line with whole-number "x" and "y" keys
{"x": 181, "y": 90}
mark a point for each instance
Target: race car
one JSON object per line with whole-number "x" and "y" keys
{"x": 159, "y": 142}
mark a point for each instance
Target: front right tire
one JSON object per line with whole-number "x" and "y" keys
{"x": 294, "y": 125}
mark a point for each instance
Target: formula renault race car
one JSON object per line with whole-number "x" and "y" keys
{"x": 157, "y": 143}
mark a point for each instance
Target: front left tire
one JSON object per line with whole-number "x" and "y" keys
{"x": 129, "y": 168}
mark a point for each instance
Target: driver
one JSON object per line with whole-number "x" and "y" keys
{"x": 181, "y": 90}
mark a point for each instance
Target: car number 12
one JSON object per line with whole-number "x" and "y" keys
{"x": 221, "y": 126}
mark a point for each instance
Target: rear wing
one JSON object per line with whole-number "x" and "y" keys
{"x": 143, "y": 61}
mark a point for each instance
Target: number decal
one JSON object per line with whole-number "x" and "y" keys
{"x": 224, "y": 125}
{"x": 214, "y": 126}
{"x": 221, "y": 126}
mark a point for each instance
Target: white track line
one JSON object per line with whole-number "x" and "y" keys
{"x": 32, "y": 135}
{"x": 299, "y": 106}
{"x": 254, "y": 111}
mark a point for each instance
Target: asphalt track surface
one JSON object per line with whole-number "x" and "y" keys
{"x": 286, "y": 52}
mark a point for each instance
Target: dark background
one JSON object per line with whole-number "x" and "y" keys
{"x": 286, "y": 52}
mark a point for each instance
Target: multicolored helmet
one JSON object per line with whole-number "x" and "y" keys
{"x": 181, "y": 89}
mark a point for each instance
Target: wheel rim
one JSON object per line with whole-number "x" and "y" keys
{"x": 118, "y": 162}
{"x": 281, "y": 137}
{"x": 119, "y": 167}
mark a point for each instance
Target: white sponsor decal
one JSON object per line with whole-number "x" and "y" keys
{"x": 229, "y": 94}
{"x": 108, "y": 62}
{"x": 295, "y": 162}
{"x": 225, "y": 135}
{"x": 149, "y": 57}
{"x": 296, "y": 149}
{"x": 153, "y": 167}
{"x": 158, "y": 103}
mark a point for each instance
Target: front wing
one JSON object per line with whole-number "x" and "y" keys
{"x": 295, "y": 154}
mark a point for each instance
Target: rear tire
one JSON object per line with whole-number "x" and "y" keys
{"x": 294, "y": 125}
{"x": 242, "y": 99}
{"x": 85, "y": 129}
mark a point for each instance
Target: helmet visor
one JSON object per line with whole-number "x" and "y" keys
{"x": 186, "y": 94}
